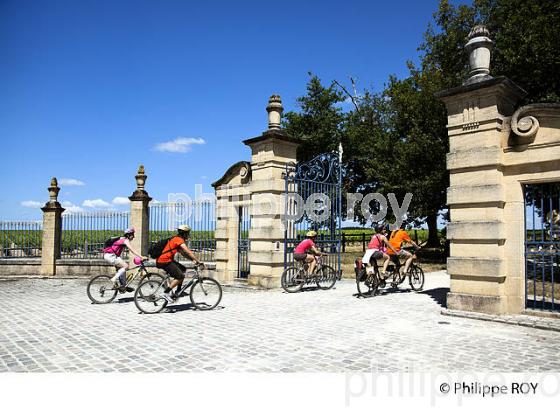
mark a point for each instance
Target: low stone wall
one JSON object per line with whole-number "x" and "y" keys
{"x": 20, "y": 267}
{"x": 83, "y": 267}
{"x": 76, "y": 268}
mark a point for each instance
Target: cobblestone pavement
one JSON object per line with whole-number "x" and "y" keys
{"x": 50, "y": 325}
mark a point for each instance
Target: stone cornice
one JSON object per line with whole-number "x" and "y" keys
{"x": 139, "y": 195}
{"x": 273, "y": 134}
{"x": 497, "y": 81}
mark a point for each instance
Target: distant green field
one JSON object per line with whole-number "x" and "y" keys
{"x": 81, "y": 241}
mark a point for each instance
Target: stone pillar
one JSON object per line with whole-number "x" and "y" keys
{"x": 478, "y": 131}
{"x": 140, "y": 212}
{"x": 270, "y": 152}
{"x": 229, "y": 197}
{"x": 52, "y": 231}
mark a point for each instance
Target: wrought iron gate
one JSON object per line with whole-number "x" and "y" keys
{"x": 243, "y": 244}
{"x": 542, "y": 246}
{"x": 321, "y": 175}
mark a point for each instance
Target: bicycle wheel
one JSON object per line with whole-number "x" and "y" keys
{"x": 369, "y": 286}
{"x": 154, "y": 277}
{"x": 206, "y": 293}
{"x": 101, "y": 290}
{"x": 326, "y": 277}
{"x": 416, "y": 278}
{"x": 148, "y": 298}
{"x": 292, "y": 279}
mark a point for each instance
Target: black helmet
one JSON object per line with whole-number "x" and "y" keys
{"x": 379, "y": 228}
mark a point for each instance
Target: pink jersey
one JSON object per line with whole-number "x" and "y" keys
{"x": 377, "y": 243}
{"x": 304, "y": 246}
{"x": 117, "y": 247}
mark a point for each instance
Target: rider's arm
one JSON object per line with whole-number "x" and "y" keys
{"x": 132, "y": 250}
{"x": 389, "y": 244}
{"x": 415, "y": 244}
{"x": 315, "y": 251}
{"x": 185, "y": 251}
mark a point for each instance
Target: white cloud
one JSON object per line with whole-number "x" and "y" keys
{"x": 155, "y": 201}
{"x": 181, "y": 144}
{"x": 71, "y": 208}
{"x": 96, "y": 203}
{"x": 70, "y": 182}
{"x": 120, "y": 200}
{"x": 31, "y": 204}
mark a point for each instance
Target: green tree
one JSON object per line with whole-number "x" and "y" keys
{"x": 396, "y": 141}
{"x": 527, "y": 44}
{"x": 319, "y": 123}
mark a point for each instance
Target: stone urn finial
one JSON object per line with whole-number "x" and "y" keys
{"x": 479, "y": 48}
{"x": 275, "y": 110}
{"x": 53, "y": 190}
{"x": 141, "y": 178}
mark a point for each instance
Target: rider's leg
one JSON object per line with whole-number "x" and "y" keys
{"x": 310, "y": 259}
{"x": 386, "y": 261}
{"x": 177, "y": 272}
{"x": 409, "y": 258}
{"x": 121, "y": 272}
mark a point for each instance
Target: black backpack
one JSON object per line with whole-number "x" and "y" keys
{"x": 360, "y": 270}
{"x": 156, "y": 249}
{"x": 109, "y": 242}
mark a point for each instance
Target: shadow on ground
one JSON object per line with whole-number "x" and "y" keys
{"x": 439, "y": 295}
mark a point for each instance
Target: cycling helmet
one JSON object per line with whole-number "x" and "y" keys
{"x": 130, "y": 231}
{"x": 311, "y": 234}
{"x": 380, "y": 228}
{"x": 184, "y": 228}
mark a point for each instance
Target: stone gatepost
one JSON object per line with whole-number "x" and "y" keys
{"x": 258, "y": 185}
{"x": 140, "y": 212}
{"x": 270, "y": 152}
{"x": 52, "y": 231}
{"x": 232, "y": 193}
{"x": 478, "y": 131}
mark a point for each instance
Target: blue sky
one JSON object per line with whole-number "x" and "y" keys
{"x": 91, "y": 89}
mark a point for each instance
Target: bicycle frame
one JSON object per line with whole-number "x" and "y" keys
{"x": 184, "y": 286}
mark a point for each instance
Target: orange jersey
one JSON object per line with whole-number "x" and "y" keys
{"x": 170, "y": 250}
{"x": 396, "y": 239}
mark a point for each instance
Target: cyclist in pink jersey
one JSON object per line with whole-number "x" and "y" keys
{"x": 306, "y": 251}
{"x": 112, "y": 254}
{"x": 377, "y": 249}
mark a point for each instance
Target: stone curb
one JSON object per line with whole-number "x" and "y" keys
{"x": 519, "y": 320}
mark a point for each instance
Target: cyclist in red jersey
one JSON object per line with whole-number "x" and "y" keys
{"x": 306, "y": 251}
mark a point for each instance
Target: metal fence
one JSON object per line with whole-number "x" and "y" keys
{"x": 243, "y": 242}
{"x": 165, "y": 217}
{"x": 20, "y": 239}
{"x": 321, "y": 175}
{"x": 542, "y": 246}
{"x": 84, "y": 234}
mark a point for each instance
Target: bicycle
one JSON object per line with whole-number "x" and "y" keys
{"x": 293, "y": 278}
{"x": 101, "y": 289}
{"x": 149, "y": 299}
{"x": 368, "y": 283}
{"x": 415, "y": 273}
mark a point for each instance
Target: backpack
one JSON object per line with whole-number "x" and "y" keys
{"x": 360, "y": 270}
{"x": 109, "y": 242}
{"x": 156, "y": 249}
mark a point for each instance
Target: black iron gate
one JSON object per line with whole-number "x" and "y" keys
{"x": 243, "y": 243}
{"x": 317, "y": 181}
{"x": 542, "y": 246}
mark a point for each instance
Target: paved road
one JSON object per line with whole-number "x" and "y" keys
{"x": 50, "y": 325}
